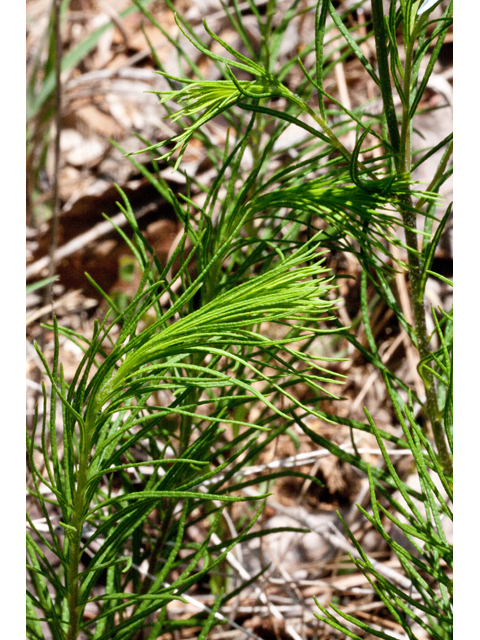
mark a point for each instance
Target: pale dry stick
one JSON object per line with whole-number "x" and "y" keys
{"x": 363, "y": 607}
{"x": 307, "y": 482}
{"x": 348, "y": 583}
{"x": 196, "y": 603}
{"x": 376, "y": 373}
{"x": 74, "y": 245}
{"x": 238, "y": 551}
{"x": 262, "y": 610}
{"x": 245, "y": 608}
{"x": 335, "y": 539}
{"x": 259, "y": 593}
{"x": 36, "y": 387}
{"x": 64, "y": 300}
{"x": 292, "y": 586}
{"x": 389, "y": 624}
{"x": 224, "y": 635}
{"x": 344, "y": 99}
{"x": 341, "y": 583}
{"x": 363, "y": 392}
{"x": 243, "y": 573}
{"x": 220, "y": 15}
{"x": 114, "y": 17}
{"x": 392, "y": 348}
{"x": 136, "y": 73}
{"x": 100, "y": 75}
{"x": 368, "y": 52}
{"x": 299, "y": 460}
{"x": 412, "y": 354}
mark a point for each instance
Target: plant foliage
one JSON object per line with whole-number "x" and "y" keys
{"x": 133, "y": 452}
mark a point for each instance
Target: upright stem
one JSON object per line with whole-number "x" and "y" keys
{"x": 409, "y": 215}
{"x": 75, "y": 539}
{"x": 415, "y": 272}
{"x": 384, "y": 73}
{"x": 403, "y": 164}
{"x": 58, "y": 126}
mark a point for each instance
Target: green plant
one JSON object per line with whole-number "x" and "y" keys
{"x": 207, "y": 358}
{"x": 253, "y": 261}
{"x": 427, "y": 600}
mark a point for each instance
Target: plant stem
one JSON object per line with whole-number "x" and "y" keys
{"x": 324, "y": 126}
{"x": 75, "y": 540}
{"x": 415, "y": 273}
{"x": 409, "y": 215}
{"x": 58, "y": 129}
{"x": 402, "y": 146}
{"x": 384, "y": 74}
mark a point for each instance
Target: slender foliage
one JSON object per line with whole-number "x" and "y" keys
{"x": 216, "y": 342}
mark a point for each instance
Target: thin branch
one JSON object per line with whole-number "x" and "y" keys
{"x": 58, "y": 129}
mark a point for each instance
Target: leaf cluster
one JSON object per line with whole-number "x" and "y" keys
{"x": 201, "y": 370}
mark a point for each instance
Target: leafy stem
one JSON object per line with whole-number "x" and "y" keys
{"x": 403, "y": 162}
{"x": 75, "y": 538}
